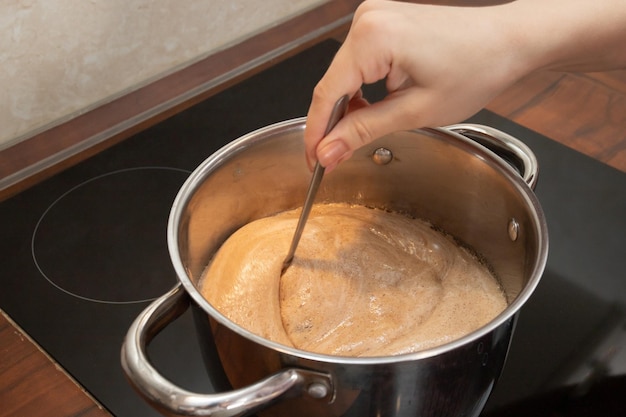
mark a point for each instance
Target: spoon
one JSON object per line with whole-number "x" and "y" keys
{"x": 318, "y": 172}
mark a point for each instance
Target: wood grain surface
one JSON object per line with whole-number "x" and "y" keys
{"x": 47, "y": 153}
{"x": 586, "y": 112}
{"x": 32, "y": 385}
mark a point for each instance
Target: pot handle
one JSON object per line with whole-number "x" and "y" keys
{"x": 512, "y": 150}
{"x": 172, "y": 400}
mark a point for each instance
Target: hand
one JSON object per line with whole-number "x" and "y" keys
{"x": 435, "y": 74}
{"x": 443, "y": 64}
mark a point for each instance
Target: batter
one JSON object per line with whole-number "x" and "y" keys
{"x": 364, "y": 282}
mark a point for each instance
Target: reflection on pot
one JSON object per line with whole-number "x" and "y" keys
{"x": 439, "y": 175}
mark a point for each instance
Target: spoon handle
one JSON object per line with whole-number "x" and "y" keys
{"x": 318, "y": 172}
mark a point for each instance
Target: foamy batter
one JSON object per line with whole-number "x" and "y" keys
{"x": 364, "y": 282}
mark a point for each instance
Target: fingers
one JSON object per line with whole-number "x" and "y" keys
{"x": 432, "y": 77}
{"x": 346, "y": 74}
{"x": 364, "y": 123}
{"x": 365, "y": 57}
{"x": 341, "y": 78}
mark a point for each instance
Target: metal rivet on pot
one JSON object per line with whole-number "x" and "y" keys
{"x": 317, "y": 390}
{"x": 485, "y": 359}
{"x": 382, "y": 156}
{"x": 513, "y": 229}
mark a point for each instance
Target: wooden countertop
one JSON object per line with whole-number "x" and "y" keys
{"x": 586, "y": 112}
{"x": 31, "y": 384}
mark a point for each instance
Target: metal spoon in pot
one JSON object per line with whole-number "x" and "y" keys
{"x": 318, "y": 172}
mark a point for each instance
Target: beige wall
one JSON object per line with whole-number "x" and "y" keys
{"x": 59, "y": 58}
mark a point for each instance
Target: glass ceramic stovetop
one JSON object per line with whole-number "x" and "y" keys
{"x": 85, "y": 251}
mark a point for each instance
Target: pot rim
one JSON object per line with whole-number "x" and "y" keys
{"x": 243, "y": 142}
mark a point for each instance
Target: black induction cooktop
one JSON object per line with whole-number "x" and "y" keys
{"x": 85, "y": 251}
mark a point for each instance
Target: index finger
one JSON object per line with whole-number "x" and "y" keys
{"x": 341, "y": 78}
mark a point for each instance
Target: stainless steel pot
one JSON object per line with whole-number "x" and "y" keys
{"x": 472, "y": 181}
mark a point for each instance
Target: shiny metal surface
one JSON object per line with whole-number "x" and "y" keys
{"x": 382, "y": 156}
{"x": 436, "y": 174}
{"x": 172, "y": 400}
{"x": 318, "y": 173}
{"x": 316, "y": 179}
{"x": 512, "y": 150}
{"x": 513, "y": 229}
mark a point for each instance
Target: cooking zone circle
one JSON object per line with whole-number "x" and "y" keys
{"x": 104, "y": 240}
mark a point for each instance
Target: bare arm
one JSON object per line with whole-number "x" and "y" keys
{"x": 443, "y": 64}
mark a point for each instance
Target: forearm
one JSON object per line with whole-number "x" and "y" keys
{"x": 568, "y": 35}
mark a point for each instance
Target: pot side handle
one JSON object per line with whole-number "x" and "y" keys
{"x": 173, "y": 400}
{"x": 510, "y": 149}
